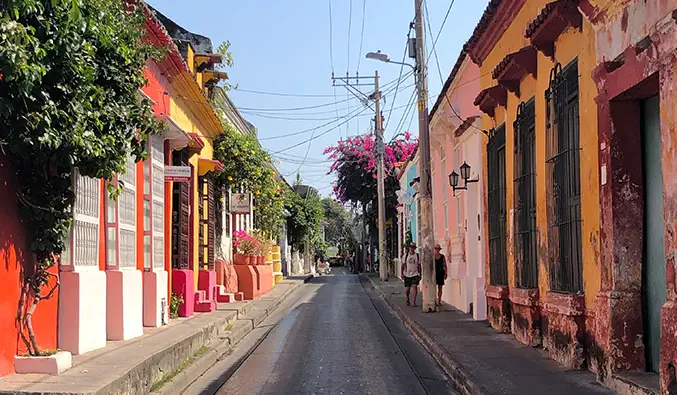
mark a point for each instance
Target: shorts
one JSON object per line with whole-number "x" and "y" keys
{"x": 411, "y": 281}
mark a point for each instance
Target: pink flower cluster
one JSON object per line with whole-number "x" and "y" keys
{"x": 238, "y": 236}
{"x": 358, "y": 154}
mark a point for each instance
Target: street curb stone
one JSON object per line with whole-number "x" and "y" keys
{"x": 244, "y": 323}
{"x": 461, "y": 377}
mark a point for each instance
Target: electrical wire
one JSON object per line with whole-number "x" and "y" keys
{"x": 279, "y": 94}
{"x": 359, "y": 55}
{"x": 437, "y": 61}
{"x": 404, "y": 56}
{"x": 331, "y": 40}
{"x": 350, "y": 27}
{"x": 311, "y": 129}
{"x": 316, "y": 136}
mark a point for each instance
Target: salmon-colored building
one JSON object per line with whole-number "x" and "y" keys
{"x": 455, "y": 140}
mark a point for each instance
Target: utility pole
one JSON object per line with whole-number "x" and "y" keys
{"x": 380, "y": 173}
{"x": 425, "y": 191}
{"x": 380, "y": 153}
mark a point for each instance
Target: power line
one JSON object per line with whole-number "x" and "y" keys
{"x": 350, "y": 27}
{"x": 359, "y": 55}
{"x": 280, "y": 94}
{"x": 437, "y": 61}
{"x": 317, "y": 136}
{"x": 404, "y": 56}
{"x": 331, "y": 40}
{"x": 309, "y": 130}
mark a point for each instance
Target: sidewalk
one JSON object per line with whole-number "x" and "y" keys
{"x": 479, "y": 359}
{"x": 135, "y": 366}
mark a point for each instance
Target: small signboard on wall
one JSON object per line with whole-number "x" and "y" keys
{"x": 239, "y": 203}
{"x": 178, "y": 173}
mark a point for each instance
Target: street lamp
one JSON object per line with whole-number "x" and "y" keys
{"x": 465, "y": 175}
{"x": 382, "y": 57}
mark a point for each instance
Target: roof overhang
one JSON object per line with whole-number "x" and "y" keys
{"x": 205, "y": 166}
{"x": 177, "y": 136}
{"x": 514, "y": 67}
{"x": 552, "y": 21}
{"x": 490, "y": 98}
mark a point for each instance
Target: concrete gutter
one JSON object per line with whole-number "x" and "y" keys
{"x": 461, "y": 377}
{"x": 133, "y": 366}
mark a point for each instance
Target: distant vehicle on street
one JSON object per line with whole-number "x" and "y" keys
{"x": 322, "y": 268}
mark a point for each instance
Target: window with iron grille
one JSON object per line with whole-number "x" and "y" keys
{"x": 563, "y": 179}
{"x": 498, "y": 262}
{"x": 206, "y": 212}
{"x": 526, "y": 261}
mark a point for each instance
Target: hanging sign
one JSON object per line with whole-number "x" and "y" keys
{"x": 178, "y": 173}
{"x": 239, "y": 203}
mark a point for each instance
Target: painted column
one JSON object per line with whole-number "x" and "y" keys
{"x": 82, "y": 299}
{"x": 155, "y": 277}
{"x": 124, "y": 283}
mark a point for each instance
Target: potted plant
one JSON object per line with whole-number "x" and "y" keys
{"x": 243, "y": 247}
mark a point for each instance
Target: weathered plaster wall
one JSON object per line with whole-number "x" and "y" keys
{"x": 570, "y": 45}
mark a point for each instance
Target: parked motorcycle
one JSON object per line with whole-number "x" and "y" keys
{"x": 322, "y": 268}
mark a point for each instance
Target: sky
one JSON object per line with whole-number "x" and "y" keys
{"x": 285, "y": 52}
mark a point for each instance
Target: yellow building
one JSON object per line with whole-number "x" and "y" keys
{"x": 538, "y": 100}
{"x": 193, "y": 198}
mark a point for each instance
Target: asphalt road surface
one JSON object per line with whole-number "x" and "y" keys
{"x": 336, "y": 337}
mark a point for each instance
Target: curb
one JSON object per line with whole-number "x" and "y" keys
{"x": 197, "y": 368}
{"x": 461, "y": 377}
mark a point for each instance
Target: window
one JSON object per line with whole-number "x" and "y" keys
{"x": 526, "y": 261}
{"x": 498, "y": 263}
{"x": 153, "y": 206}
{"x": 82, "y": 243}
{"x": 121, "y": 221}
{"x": 563, "y": 179}
{"x": 206, "y": 210}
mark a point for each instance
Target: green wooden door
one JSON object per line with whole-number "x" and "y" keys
{"x": 654, "y": 238}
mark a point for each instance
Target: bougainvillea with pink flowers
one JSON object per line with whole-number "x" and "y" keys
{"x": 355, "y": 168}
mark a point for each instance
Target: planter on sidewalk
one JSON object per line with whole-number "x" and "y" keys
{"x": 241, "y": 259}
{"x": 51, "y": 364}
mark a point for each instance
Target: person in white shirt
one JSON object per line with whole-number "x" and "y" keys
{"x": 411, "y": 273}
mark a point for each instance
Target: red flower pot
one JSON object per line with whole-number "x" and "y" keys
{"x": 260, "y": 260}
{"x": 240, "y": 259}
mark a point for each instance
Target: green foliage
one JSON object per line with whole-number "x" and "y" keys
{"x": 70, "y": 74}
{"x": 247, "y": 165}
{"x": 174, "y": 302}
{"x": 337, "y": 224}
{"x": 306, "y": 217}
{"x": 227, "y": 62}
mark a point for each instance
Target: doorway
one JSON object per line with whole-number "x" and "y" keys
{"x": 653, "y": 265}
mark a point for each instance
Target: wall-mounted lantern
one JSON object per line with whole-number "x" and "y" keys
{"x": 465, "y": 175}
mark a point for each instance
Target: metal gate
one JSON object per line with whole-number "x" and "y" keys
{"x": 181, "y": 217}
{"x": 498, "y": 263}
{"x": 525, "y": 231}
{"x": 564, "y": 184}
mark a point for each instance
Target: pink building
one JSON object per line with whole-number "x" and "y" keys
{"x": 456, "y": 138}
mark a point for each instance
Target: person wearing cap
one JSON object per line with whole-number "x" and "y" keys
{"x": 411, "y": 273}
{"x": 440, "y": 272}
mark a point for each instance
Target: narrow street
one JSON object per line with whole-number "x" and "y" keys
{"x": 338, "y": 338}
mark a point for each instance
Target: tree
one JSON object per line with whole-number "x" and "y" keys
{"x": 356, "y": 176}
{"x": 306, "y": 214}
{"x": 70, "y": 73}
{"x": 337, "y": 224}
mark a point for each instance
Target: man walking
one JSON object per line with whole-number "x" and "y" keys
{"x": 411, "y": 272}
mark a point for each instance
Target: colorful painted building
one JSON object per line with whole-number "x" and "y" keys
{"x": 456, "y": 139}
{"x": 542, "y": 194}
{"x": 14, "y": 250}
{"x": 579, "y": 228}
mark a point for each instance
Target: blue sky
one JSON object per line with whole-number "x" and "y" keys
{"x": 285, "y": 47}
